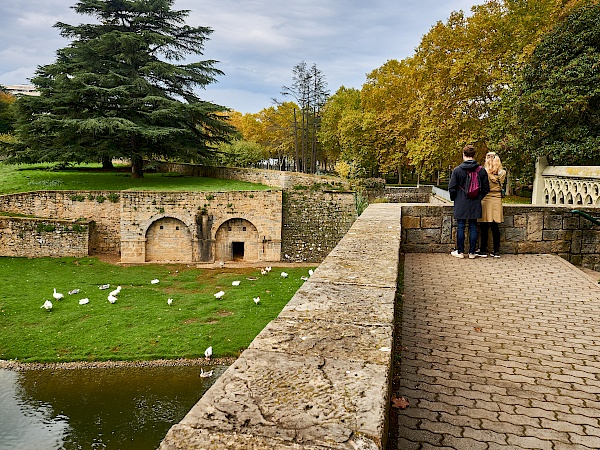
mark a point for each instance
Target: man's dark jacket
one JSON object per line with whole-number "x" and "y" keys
{"x": 464, "y": 207}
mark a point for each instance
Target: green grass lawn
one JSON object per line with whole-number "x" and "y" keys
{"x": 515, "y": 199}
{"x": 140, "y": 325}
{"x": 37, "y": 177}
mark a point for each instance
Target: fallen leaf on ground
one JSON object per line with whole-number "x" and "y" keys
{"x": 478, "y": 329}
{"x": 400, "y": 402}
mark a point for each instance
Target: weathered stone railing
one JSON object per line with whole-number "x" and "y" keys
{"x": 526, "y": 229}
{"x": 566, "y": 185}
{"x": 318, "y": 376}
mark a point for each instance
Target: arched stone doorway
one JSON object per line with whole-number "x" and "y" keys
{"x": 168, "y": 239}
{"x": 236, "y": 240}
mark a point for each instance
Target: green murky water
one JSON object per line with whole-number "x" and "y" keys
{"x": 117, "y": 408}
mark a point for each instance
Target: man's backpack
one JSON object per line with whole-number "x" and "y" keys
{"x": 472, "y": 187}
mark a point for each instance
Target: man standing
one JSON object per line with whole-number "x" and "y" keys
{"x": 465, "y": 207}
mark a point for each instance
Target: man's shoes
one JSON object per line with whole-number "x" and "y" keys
{"x": 456, "y": 254}
{"x": 496, "y": 255}
{"x": 472, "y": 256}
{"x": 481, "y": 254}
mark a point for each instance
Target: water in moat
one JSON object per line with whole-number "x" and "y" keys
{"x": 123, "y": 408}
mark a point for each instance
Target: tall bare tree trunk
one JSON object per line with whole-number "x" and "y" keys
{"x": 304, "y": 139}
{"x": 296, "y": 142}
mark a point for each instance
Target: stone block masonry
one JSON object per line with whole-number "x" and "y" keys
{"x": 100, "y": 207}
{"x": 318, "y": 376}
{"x": 27, "y": 237}
{"x": 314, "y": 222}
{"x": 200, "y": 226}
{"x": 526, "y": 229}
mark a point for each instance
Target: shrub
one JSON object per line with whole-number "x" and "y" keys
{"x": 77, "y": 197}
{"x": 79, "y": 228}
{"x": 45, "y": 228}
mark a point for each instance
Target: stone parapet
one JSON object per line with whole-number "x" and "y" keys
{"x": 400, "y": 194}
{"x": 526, "y": 229}
{"x": 566, "y": 185}
{"x": 318, "y": 376}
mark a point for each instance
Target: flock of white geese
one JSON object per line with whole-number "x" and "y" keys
{"x": 112, "y": 298}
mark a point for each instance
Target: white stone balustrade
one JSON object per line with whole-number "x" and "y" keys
{"x": 566, "y": 185}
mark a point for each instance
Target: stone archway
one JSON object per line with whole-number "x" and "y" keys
{"x": 237, "y": 240}
{"x": 168, "y": 239}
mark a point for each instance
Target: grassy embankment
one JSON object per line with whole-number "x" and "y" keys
{"x": 140, "y": 325}
{"x": 25, "y": 178}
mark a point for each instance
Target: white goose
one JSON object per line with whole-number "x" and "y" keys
{"x": 47, "y": 305}
{"x": 204, "y": 374}
{"x": 116, "y": 291}
{"x": 208, "y": 353}
{"x": 57, "y": 295}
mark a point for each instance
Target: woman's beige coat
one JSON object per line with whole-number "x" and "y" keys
{"x": 491, "y": 205}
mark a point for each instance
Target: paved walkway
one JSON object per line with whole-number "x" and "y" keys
{"x": 499, "y": 354}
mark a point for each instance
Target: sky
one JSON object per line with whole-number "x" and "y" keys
{"x": 257, "y": 43}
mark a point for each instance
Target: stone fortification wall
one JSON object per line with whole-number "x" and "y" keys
{"x": 317, "y": 377}
{"x": 200, "y": 226}
{"x": 275, "y": 178}
{"x": 526, "y": 229}
{"x": 314, "y": 222}
{"x": 27, "y": 237}
{"x": 101, "y": 207}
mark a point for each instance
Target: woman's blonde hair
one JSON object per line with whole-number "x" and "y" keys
{"x": 493, "y": 164}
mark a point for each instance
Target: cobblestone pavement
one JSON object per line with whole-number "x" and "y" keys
{"x": 499, "y": 354}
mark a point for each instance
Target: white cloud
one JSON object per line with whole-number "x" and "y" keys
{"x": 257, "y": 42}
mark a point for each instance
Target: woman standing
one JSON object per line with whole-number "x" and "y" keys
{"x": 491, "y": 205}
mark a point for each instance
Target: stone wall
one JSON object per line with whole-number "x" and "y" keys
{"x": 275, "y": 178}
{"x": 101, "y": 207}
{"x": 526, "y": 229}
{"x": 27, "y": 237}
{"x": 314, "y": 222}
{"x": 200, "y": 226}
